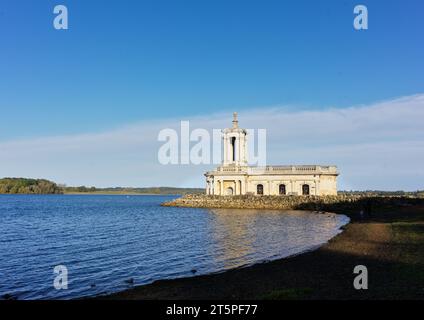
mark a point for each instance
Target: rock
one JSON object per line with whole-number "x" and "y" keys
{"x": 323, "y": 204}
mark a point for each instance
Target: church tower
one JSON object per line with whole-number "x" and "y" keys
{"x": 234, "y": 177}
{"x": 235, "y": 145}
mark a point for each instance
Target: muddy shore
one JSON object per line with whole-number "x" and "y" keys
{"x": 389, "y": 241}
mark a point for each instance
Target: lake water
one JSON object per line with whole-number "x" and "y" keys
{"x": 106, "y": 240}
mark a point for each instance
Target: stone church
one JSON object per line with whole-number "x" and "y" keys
{"x": 236, "y": 177}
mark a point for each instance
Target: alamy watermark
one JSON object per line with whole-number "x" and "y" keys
{"x": 60, "y": 22}
{"x": 60, "y": 281}
{"x": 360, "y": 22}
{"x": 361, "y": 280}
{"x": 200, "y": 146}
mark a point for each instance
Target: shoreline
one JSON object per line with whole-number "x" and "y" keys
{"x": 390, "y": 243}
{"x": 91, "y": 193}
{"x": 337, "y": 203}
{"x": 118, "y": 194}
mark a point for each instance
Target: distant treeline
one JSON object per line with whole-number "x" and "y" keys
{"x": 122, "y": 190}
{"x": 377, "y": 193}
{"x": 29, "y": 186}
{"x": 43, "y": 186}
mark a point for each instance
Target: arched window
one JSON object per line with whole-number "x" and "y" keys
{"x": 260, "y": 189}
{"x": 305, "y": 190}
{"x": 282, "y": 189}
{"x": 233, "y": 147}
{"x": 229, "y": 191}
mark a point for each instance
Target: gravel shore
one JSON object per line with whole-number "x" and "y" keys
{"x": 390, "y": 243}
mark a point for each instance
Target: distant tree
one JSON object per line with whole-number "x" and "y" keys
{"x": 28, "y": 186}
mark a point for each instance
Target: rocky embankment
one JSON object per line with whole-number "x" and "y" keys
{"x": 339, "y": 204}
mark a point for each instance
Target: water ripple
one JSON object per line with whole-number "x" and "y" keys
{"x": 106, "y": 240}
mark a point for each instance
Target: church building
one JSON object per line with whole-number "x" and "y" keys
{"x": 236, "y": 177}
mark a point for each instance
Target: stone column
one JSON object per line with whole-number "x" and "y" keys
{"x": 224, "y": 143}
{"x": 245, "y": 149}
{"x": 238, "y": 157}
{"x": 241, "y": 149}
{"x": 235, "y": 151}
{"x": 221, "y": 192}
{"x": 230, "y": 150}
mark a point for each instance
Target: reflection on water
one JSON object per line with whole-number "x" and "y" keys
{"x": 233, "y": 241}
{"x": 105, "y": 240}
{"x": 242, "y": 237}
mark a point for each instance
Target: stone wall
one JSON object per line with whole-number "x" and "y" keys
{"x": 347, "y": 204}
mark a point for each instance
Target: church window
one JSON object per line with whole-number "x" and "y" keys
{"x": 260, "y": 189}
{"x": 305, "y": 190}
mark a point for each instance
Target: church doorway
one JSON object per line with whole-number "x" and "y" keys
{"x": 282, "y": 189}
{"x": 229, "y": 191}
{"x": 305, "y": 190}
{"x": 260, "y": 189}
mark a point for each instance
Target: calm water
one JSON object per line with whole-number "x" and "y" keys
{"x": 106, "y": 240}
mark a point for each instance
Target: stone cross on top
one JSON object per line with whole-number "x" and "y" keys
{"x": 235, "y": 121}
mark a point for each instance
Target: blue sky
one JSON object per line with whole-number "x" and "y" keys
{"x": 127, "y": 62}
{"x": 123, "y": 61}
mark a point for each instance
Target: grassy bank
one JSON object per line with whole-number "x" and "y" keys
{"x": 390, "y": 243}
